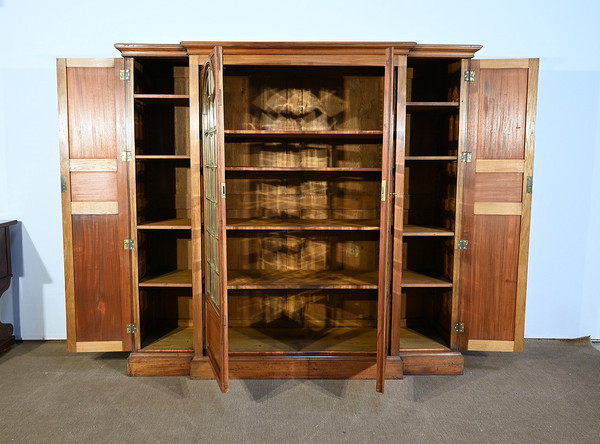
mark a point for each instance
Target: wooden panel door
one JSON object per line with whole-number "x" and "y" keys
{"x": 497, "y": 204}
{"x": 387, "y": 186}
{"x": 95, "y": 207}
{"x": 213, "y": 156}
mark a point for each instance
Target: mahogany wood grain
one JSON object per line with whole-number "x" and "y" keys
{"x": 93, "y": 165}
{"x": 93, "y": 187}
{"x": 418, "y": 230}
{"x": 430, "y": 363}
{"x": 303, "y": 224}
{"x": 159, "y": 363}
{"x": 499, "y": 187}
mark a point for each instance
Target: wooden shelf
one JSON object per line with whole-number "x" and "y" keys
{"x": 303, "y": 224}
{"x": 414, "y": 279}
{"x": 171, "y": 99}
{"x": 339, "y": 339}
{"x": 162, "y": 157}
{"x": 430, "y": 106}
{"x": 419, "y": 230}
{"x": 176, "y": 278}
{"x": 303, "y": 169}
{"x": 301, "y": 279}
{"x": 167, "y": 224}
{"x": 179, "y": 339}
{"x": 438, "y": 158}
{"x": 411, "y": 339}
{"x": 282, "y": 134}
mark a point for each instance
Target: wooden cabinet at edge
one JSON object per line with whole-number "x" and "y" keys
{"x": 363, "y": 209}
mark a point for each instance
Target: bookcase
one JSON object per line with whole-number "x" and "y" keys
{"x": 297, "y": 210}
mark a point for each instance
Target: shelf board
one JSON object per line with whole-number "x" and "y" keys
{"x": 419, "y": 230}
{"x": 167, "y": 224}
{"x": 171, "y": 99}
{"x": 303, "y": 169}
{"x": 178, "y": 339}
{"x": 298, "y": 339}
{"x": 162, "y": 157}
{"x": 430, "y": 106}
{"x": 412, "y": 279}
{"x": 303, "y": 224}
{"x": 284, "y": 134}
{"x": 411, "y": 339}
{"x": 176, "y": 278}
{"x": 301, "y": 279}
{"x": 450, "y": 158}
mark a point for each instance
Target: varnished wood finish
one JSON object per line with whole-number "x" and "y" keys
{"x": 302, "y": 279}
{"x": 303, "y": 224}
{"x": 444, "y": 51}
{"x": 497, "y": 205}
{"x": 95, "y": 208}
{"x": 431, "y": 363}
{"x": 159, "y": 363}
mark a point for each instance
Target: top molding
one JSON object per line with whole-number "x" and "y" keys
{"x": 184, "y": 49}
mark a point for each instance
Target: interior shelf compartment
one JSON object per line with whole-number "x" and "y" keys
{"x": 418, "y": 230}
{"x": 176, "y": 278}
{"x": 303, "y": 224}
{"x": 173, "y": 99}
{"x": 426, "y": 315}
{"x": 162, "y": 127}
{"x": 433, "y": 80}
{"x": 166, "y": 319}
{"x": 299, "y": 135}
{"x": 302, "y": 320}
{"x": 162, "y": 76}
{"x": 303, "y": 259}
{"x": 307, "y": 197}
{"x": 427, "y": 261}
{"x": 431, "y": 158}
{"x": 163, "y": 194}
{"x": 164, "y": 257}
{"x": 166, "y": 224}
{"x": 304, "y": 98}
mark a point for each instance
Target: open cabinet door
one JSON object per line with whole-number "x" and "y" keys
{"x": 213, "y": 156}
{"x": 497, "y": 204}
{"x": 95, "y": 208}
{"x": 387, "y": 185}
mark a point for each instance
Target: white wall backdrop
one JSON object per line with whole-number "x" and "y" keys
{"x": 563, "y": 298}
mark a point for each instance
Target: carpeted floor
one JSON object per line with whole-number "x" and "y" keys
{"x": 548, "y": 394}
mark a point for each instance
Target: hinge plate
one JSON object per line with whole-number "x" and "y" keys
{"x": 466, "y": 156}
{"x": 459, "y": 327}
{"x": 128, "y": 244}
{"x": 383, "y": 190}
{"x": 463, "y": 244}
{"x": 126, "y": 156}
{"x": 529, "y": 185}
{"x": 131, "y": 329}
{"x": 469, "y": 76}
{"x": 124, "y": 74}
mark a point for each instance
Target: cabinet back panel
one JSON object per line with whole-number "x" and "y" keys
{"x": 161, "y": 76}
{"x": 97, "y": 277}
{"x": 433, "y": 80}
{"x": 161, "y": 128}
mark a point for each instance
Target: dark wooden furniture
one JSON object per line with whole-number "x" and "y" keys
{"x": 296, "y": 210}
{"x": 7, "y": 338}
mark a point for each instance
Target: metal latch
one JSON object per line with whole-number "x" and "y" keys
{"x": 459, "y": 327}
{"x": 126, "y": 156}
{"x": 128, "y": 244}
{"x": 131, "y": 329}
{"x": 469, "y": 76}
{"x": 529, "y": 185}
{"x": 466, "y": 156}
{"x": 124, "y": 74}
{"x": 463, "y": 244}
{"x": 223, "y": 190}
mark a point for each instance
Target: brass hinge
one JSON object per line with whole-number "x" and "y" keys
{"x": 128, "y": 244}
{"x": 383, "y": 190}
{"x": 126, "y": 156}
{"x": 463, "y": 244}
{"x": 466, "y": 156}
{"x": 529, "y": 185}
{"x": 469, "y": 76}
{"x": 124, "y": 74}
{"x": 63, "y": 184}
{"x": 459, "y": 327}
{"x": 131, "y": 329}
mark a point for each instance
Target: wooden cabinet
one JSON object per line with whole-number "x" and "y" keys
{"x": 297, "y": 210}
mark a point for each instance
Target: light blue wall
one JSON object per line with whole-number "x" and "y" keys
{"x": 563, "y": 298}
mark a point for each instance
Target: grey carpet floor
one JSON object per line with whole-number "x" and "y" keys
{"x": 550, "y": 393}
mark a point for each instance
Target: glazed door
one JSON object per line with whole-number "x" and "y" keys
{"x": 213, "y": 156}
{"x": 387, "y": 186}
{"x": 497, "y": 204}
{"x": 95, "y": 206}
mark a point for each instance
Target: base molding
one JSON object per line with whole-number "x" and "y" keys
{"x": 159, "y": 363}
{"x": 437, "y": 363}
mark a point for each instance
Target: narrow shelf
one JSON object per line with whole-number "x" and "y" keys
{"x": 414, "y": 279}
{"x": 303, "y": 169}
{"x": 419, "y": 230}
{"x": 178, "y": 339}
{"x": 162, "y": 157}
{"x": 172, "y": 99}
{"x": 167, "y": 224}
{"x": 176, "y": 278}
{"x": 422, "y": 339}
{"x": 284, "y": 134}
{"x": 450, "y": 158}
{"x": 334, "y": 339}
{"x": 301, "y": 279}
{"x": 303, "y": 224}
{"x": 430, "y": 106}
